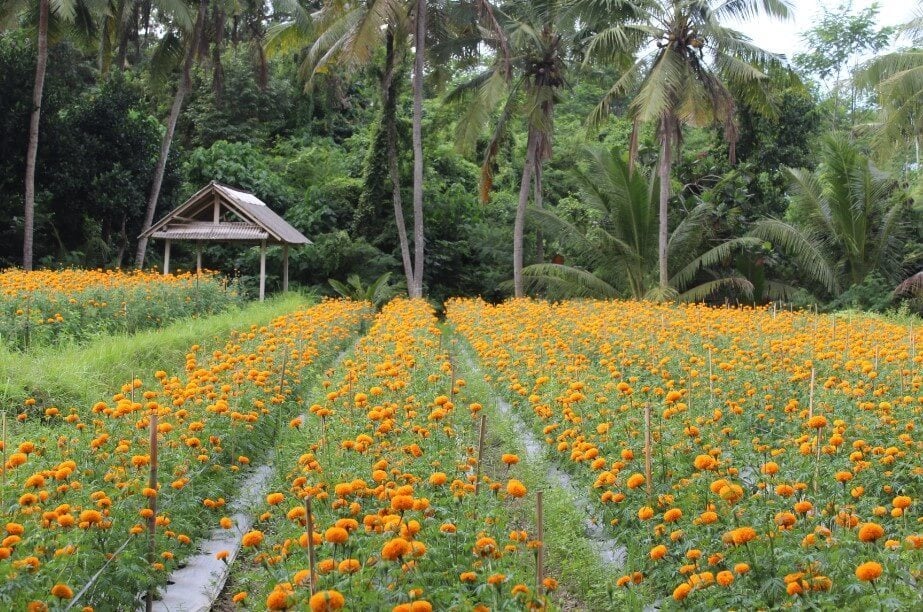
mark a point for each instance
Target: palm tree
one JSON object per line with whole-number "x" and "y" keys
{"x": 526, "y": 74}
{"x": 897, "y": 78}
{"x": 186, "y": 39}
{"x": 849, "y": 217}
{"x": 347, "y": 35}
{"x": 619, "y": 242}
{"x": 689, "y": 69}
{"x": 60, "y": 16}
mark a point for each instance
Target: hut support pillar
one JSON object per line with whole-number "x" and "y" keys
{"x": 166, "y": 257}
{"x": 198, "y": 258}
{"x": 262, "y": 270}
{"x": 285, "y": 267}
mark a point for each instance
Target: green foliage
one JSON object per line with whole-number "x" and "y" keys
{"x": 377, "y": 292}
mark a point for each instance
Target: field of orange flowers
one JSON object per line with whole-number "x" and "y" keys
{"x": 744, "y": 458}
{"x": 47, "y": 307}
{"x": 101, "y": 501}
{"x": 387, "y": 454}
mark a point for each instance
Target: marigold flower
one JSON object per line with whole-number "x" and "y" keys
{"x": 515, "y": 488}
{"x": 336, "y": 535}
{"x": 682, "y": 591}
{"x": 868, "y": 571}
{"x": 62, "y": 591}
{"x": 326, "y": 601}
{"x": 635, "y": 481}
{"x": 252, "y": 538}
{"x": 869, "y": 532}
{"x": 395, "y": 549}
{"x": 658, "y": 552}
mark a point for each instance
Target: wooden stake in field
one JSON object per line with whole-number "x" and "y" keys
{"x": 647, "y": 449}
{"x": 477, "y": 471}
{"x": 152, "y": 505}
{"x": 3, "y": 466}
{"x": 811, "y": 395}
{"x": 540, "y": 552}
{"x": 310, "y": 528}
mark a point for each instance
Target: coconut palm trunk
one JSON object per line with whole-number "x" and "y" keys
{"x": 416, "y": 289}
{"x": 185, "y": 83}
{"x": 41, "y": 62}
{"x": 519, "y": 224}
{"x": 663, "y": 233}
{"x": 389, "y": 94}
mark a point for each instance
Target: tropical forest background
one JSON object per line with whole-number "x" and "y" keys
{"x": 787, "y": 178}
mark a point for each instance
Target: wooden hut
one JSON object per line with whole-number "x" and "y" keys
{"x": 218, "y": 213}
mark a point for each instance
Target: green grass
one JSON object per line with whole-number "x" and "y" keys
{"x": 81, "y": 375}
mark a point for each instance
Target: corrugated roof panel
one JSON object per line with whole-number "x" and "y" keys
{"x": 208, "y": 231}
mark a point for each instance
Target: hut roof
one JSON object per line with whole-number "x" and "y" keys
{"x": 221, "y": 213}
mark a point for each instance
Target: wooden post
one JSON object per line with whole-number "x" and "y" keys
{"x": 166, "y": 257}
{"x": 198, "y": 258}
{"x": 310, "y": 528}
{"x": 811, "y": 395}
{"x": 262, "y": 270}
{"x": 477, "y": 473}
{"x": 285, "y": 267}
{"x": 647, "y": 449}
{"x": 216, "y": 211}
{"x": 152, "y": 505}
{"x": 540, "y": 557}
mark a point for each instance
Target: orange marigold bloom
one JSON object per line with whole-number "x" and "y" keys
{"x": 704, "y": 462}
{"x": 274, "y": 499}
{"x": 402, "y": 502}
{"x": 682, "y": 591}
{"x": 868, "y": 571}
{"x": 395, "y": 548}
{"x": 516, "y": 488}
{"x": 902, "y": 502}
{"x": 509, "y": 459}
{"x": 336, "y": 535}
{"x": 62, "y": 591}
{"x": 869, "y": 532}
{"x": 743, "y": 535}
{"x": 724, "y": 578}
{"x": 252, "y": 538}
{"x": 658, "y": 552}
{"x": 645, "y": 512}
{"x": 326, "y": 601}
{"x": 226, "y": 523}
{"x": 817, "y": 421}
{"x": 239, "y": 597}
{"x": 635, "y": 481}
{"x": 672, "y": 515}
{"x": 467, "y": 576}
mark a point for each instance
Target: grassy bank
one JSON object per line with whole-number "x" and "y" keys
{"x": 67, "y": 376}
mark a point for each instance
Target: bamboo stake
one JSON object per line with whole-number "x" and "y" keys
{"x": 811, "y": 395}
{"x": 3, "y": 467}
{"x": 152, "y": 505}
{"x": 310, "y": 528}
{"x": 477, "y": 472}
{"x": 540, "y": 559}
{"x": 711, "y": 384}
{"x": 647, "y": 449}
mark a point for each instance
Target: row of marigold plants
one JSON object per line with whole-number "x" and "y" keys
{"x": 101, "y": 502}
{"x": 744, "y": 458}
{"x": 50, "y": 307}
{"x": 385, "y": 499}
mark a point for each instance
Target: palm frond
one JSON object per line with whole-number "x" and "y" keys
{"x": 567, "y": 281}
{"x": 701, "y": 292}
{"x": 803, "y": 246}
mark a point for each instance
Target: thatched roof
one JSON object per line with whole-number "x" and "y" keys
{"x": 221, "y": 213}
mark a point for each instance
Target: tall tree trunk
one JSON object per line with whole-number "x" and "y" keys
{"x": 519, "y": 224}
{"x": 389, "y": 102}
{"x": 182, "y": 88}
{"x": 41, "y": 62}
{"x": 537, "y": 198}
{"x": 419, "y": 43}
{"x": 663, "y": 234}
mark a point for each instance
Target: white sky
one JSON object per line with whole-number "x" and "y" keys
{"x": 785, "y": 36}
